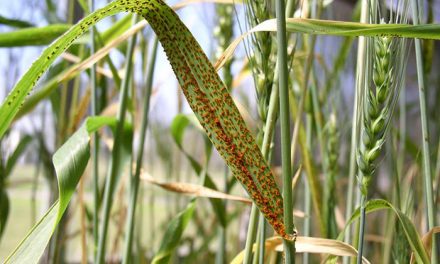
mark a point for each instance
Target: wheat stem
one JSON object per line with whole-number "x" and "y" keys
{"x": 95, "y": 154}
{"x": 289, "y": 246}
{"x": 268, "y": 103}
{"x": 134, "y": 187}
{"x": 360, "y": 77}
{"x": 112, "y": 177}
{"x": 307, "y": 194}
{"x": 425, "y": 136}
{"x": 378, "y": 105}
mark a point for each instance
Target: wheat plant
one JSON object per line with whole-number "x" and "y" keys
{"x": 379, "y": 99}
{"x": 148, "y": 138}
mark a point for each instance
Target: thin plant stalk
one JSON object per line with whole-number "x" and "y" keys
{"x": 83, "y": 222}
{"x": 361, "y": 229}
{"x": 262, "y": 242}
{"x": 251, "y": 234}
{"x": 112, "y": 177}
{"x": 437, "y": 170}
{"x": 289, "y": 246}
{"x": 220, "y": 257}
{"x": 34, "y": 191}
{"x": 425, "y": 135}
{"x": 37, "y": 176}
{"x": 265, "y": 146}
{"x": 307, "y": 219}
{"x": 402, "y": 148}
{"x": 134, "y": 188}
{"x": 307, "y": 198}
{"x": 360, "y": 77}
{"x": 256, "y": 258}
{"x": 265, "y": 149}
{"x": 436, "y": 175}
{"x": 95, "y": 152}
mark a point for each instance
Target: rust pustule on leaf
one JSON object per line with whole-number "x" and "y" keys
{"x": 216, "y": 111}
{"x": 206, "y": 94}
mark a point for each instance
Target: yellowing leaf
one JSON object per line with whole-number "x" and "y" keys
{"x": 309, "y": 245}
{"x": 193, "y": 189}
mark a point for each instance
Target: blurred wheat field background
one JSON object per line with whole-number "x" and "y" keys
{"x": 219, "y": 131}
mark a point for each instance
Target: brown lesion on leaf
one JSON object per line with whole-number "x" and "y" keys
{"x": 211, "y": 102}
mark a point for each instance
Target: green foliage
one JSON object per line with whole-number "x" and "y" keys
{"x": 408, "y": 227}
{"x": 32, "y": 36}
{"x": 178, "y": 128}
{"x": 355, "y": 29}
{"x": 4, "y": 207}
{"x": 6, "y": 169}
{"x": 19, "y": 150}
{"x": 173, "y": 234}
{"x": 312, "y": 86}
{"x": 14, "y": 22}
{"x": 202, "y": 87}
{"x": 70, "y": 162}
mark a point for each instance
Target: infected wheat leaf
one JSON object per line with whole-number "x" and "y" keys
{"x": 206, "y": 94}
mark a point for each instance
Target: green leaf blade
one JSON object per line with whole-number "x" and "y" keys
{"x": 178, "y": 127}
{"x": 22, "y": 89}
{"x": 355, "y": 29}
{"x": 32, "y": 36}
{"x": 4, "y": 209}
{"x": 173, "y": 234}
{"x": 410, "y": 231}
{"x": 14, "y": 22}
{"x": 212, "y": 104}
{"x": 70, "y": 162}
{"x": 12, "y": 160}
{"x": 203, "y": 88}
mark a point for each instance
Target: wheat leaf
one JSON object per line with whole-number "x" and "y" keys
{"x": 409, "y": 229}
{"x": 313, "y": 245}
{"x": 69, "y": 162}
{"x": 205, "y": 93}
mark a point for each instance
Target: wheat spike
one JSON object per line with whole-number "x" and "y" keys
{"x": 378, "y": 105}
